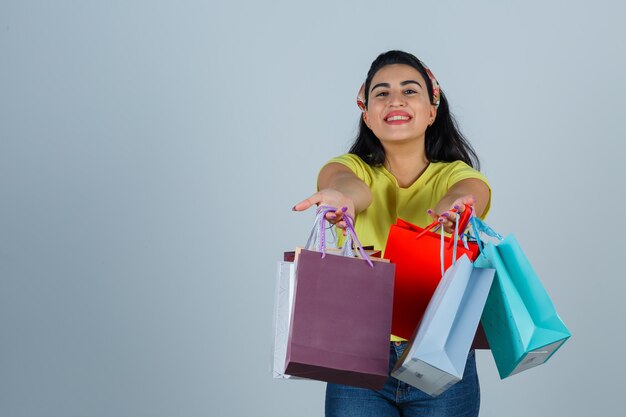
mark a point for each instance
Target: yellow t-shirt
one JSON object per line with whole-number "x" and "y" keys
{"x": 390, "y": 201}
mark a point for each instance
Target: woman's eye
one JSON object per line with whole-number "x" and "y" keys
{"x": 382, "y": 94}
{"x": 409, "y": 91}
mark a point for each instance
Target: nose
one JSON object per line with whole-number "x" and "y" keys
{"x": 397, "y": 99}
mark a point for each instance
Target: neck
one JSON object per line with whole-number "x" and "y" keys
{"x": 406, "y": 161}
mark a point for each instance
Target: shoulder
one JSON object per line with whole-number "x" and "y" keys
{"x": 350, "y": 160}
{"x": 360, "y": 168}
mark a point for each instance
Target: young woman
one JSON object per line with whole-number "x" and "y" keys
{"x": 409, "y": 160}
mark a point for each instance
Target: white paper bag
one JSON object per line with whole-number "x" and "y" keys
{"x": 285, "y": 282}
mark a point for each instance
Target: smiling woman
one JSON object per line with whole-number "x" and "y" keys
{"x": 408, "y": 161}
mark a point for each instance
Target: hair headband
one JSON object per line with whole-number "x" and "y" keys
{"x": 360, "y": 97}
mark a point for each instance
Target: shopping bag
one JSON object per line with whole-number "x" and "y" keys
{"x": 436, "y": 356}
{"x": 341, "y": 315}
{"x": 415, "y": 251}
{"x": 283, "y": 301}
{"x": 520, "y": 320}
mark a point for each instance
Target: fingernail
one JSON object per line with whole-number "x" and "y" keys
{"x": 457, "y": 207}
{"x": 293, "y": 208}
{"x": 440, "y": 220}
{"x": 429, "y": 211}
{"x": 331, "y": 216}
{"x": 344, "y": 209}
{"x": 446, "y": 214}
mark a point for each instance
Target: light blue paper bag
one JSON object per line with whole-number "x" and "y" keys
{"x": 436, "y": 356}
{"x": 520, "y": 321}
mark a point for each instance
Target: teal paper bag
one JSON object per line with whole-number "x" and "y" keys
{"x": 520, "y": 321}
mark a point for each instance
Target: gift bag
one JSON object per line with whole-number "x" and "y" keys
{"x": 283, "y": 301}
{"x": 436, "y": 356}
{"x": 520, "y": 320}
{"x": 415, "y": 251}
{"x": 341, "y": 316}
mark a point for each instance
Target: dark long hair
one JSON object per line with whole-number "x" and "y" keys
{"x": 444, "y": 141}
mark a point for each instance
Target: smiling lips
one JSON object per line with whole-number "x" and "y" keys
{"x": 397, "y": 117}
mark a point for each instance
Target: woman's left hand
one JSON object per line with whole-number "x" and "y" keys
{"x": 449, "y": 217}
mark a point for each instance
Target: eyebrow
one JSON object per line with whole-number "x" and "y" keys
{"x": 403, "y": 83}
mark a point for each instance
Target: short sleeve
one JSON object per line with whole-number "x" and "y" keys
{"x": 356, "y": 165}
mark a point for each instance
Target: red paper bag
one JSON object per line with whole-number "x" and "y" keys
{"x": 418, "y": 270}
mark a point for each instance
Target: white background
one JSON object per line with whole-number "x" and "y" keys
{"x": 151, "y": 151}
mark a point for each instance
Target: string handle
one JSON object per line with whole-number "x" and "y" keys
{"x": 317, "y": 238}
{"x": 462, "y": 223}
{"x": 442, "y": 250}
{"x": 480, "y": 226}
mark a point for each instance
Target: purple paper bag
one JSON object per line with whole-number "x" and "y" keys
{"x": 341, "y": 320}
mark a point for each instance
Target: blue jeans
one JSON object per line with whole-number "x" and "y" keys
{"x": 400, "y": 399}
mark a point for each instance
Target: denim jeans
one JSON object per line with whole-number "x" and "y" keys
{"x": 400, "y": 399}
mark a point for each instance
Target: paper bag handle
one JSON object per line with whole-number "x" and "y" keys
{"x": 480, "y": 226}
{"x": 442, "y": 250}
{"x": 462, "y": 223}
{"x": 318, "y": 234}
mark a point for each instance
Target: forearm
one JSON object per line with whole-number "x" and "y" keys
{"x": 349, "y": 186}
{"x": 338, "y": 187}
{"x": 464, "y": 189}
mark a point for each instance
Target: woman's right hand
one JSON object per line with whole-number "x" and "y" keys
{"x": 333, "y": 198}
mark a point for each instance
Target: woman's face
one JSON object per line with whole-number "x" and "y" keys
{"x": 398, "y": 106}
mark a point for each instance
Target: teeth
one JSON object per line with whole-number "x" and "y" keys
{"x": 392, "y": 118}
